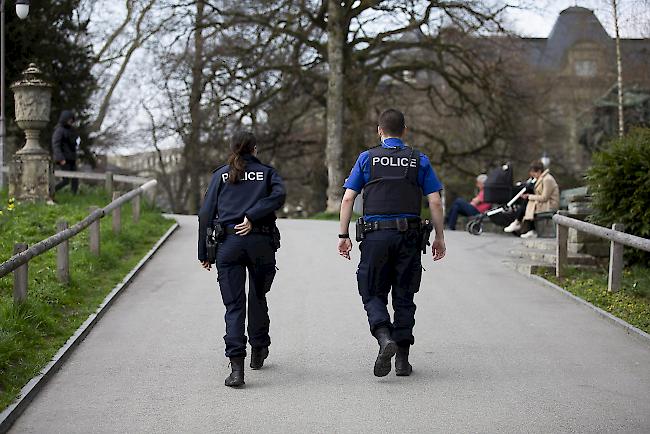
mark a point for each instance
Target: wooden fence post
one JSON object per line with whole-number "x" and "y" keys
{"x": 615, "y": 262}
{"x": 135, "y": 208}
{"x": 108, "y": 183}
{"x": 63, "y": 255}
{"x": 21, "y": 275}
{"x": 561, "y": 250}
{"x": 117, "y": 215}
{"x": 94, "y": 233}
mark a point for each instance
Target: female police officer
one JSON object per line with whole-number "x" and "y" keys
{"x": 240, "y": 205}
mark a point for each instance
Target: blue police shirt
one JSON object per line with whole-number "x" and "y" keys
{"x": 360, "y": 176}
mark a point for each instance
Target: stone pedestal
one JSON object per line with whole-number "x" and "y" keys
{"x": 31, "y": 176}
{"x": 580, "y": 242}
{"x": 32, "y": 172}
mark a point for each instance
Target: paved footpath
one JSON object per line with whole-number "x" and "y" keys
{"x": 495, "y": 352}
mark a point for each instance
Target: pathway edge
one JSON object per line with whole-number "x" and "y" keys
{"x": 34, "y": 386}
{"x": 635, "y": 332}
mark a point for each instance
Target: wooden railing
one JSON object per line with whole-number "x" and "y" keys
{"x": 109, "y": 178}
{"x": 616, "y": 235}
{"x": 19, "y": 262}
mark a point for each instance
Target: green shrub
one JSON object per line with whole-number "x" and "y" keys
{"x": 619, "y": 181}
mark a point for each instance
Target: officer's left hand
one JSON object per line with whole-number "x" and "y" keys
{"x": 244, "y": 228}
{"x": 206, "y": 265}
{"x": 438, "y": 249}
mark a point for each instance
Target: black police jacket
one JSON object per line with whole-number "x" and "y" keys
{"x": 257, "y": 196}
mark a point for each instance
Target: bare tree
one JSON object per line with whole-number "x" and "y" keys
{"x": 375, "y": 35}
{"x": 619, "y": 68}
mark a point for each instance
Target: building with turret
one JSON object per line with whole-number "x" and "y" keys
{"x": 573, "y": 70}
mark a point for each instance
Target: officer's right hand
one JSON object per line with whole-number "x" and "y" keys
{"x": 345, "y": 247}
{"x": 207, "y": 265}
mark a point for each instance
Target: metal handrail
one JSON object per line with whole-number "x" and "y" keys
{"x": 43, "y": 246}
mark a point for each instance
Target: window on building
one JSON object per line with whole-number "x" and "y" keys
{"x": 586, "y": 68}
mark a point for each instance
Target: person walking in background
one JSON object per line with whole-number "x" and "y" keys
{"x": 545, "y": 198}
{"x": 469, "y": 209}
{"x": 65, "y": 142}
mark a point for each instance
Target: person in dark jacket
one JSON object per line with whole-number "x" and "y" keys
{"x": 65, "y": 141}
{"x": 241, "y": 202}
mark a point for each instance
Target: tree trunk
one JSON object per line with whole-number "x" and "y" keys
{"x": 336, "y": 36}
{"x": 619, "y": 71}
{"x": 192, "y": 154}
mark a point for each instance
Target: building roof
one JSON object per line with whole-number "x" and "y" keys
{"x": 574, "y": 25}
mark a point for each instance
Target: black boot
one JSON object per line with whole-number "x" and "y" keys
{"x": 236, "y": 378}
{"x": 258, "y": 355}
{"x": 387, "y": 349}
{"x": 402, "y": 366}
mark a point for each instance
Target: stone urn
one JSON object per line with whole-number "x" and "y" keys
{"x": 31, "y": 175}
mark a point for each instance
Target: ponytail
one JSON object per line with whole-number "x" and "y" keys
{"x": 243, "y": 143}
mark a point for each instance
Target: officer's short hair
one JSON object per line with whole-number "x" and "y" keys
{"x": 392, "y": 122}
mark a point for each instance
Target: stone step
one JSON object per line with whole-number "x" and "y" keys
{"x": 540, "y": 244}
{"x": 528, "y": 268}
{"x": 548, "y": 257}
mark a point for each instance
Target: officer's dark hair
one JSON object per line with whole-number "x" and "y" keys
{"x": 536, "y": 166}
{"x": 392, "y": 122}
{"x": 242, "y": 143}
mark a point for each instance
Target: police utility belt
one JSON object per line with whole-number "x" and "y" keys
{"x": 423, "y": 227}
{"x": 218, "y": 233}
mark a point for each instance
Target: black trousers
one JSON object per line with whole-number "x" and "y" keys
{"x": 390, "y": 263}
{"x": 70, "y": 165}
{"x": 236, "y": 256}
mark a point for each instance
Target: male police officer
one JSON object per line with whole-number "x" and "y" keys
{"x": 394, "y": 178}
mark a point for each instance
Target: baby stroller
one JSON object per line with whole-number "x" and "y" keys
{"x": 499, "y": 190}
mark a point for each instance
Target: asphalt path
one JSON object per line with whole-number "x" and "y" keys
{"x": 495, "y": 352}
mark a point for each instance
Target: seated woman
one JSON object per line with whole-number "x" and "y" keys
{"x": 546, "y": 198}
{"x": 472, "y": 208}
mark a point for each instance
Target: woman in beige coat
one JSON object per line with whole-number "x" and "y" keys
{"x": 545, "y": 198}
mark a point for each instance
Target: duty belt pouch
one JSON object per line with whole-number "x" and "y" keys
{"x": 425, "y": 232}
{"x": 360, "y": 229}
{"x": 211, "y": 246}
{"x": 276, "y": 238}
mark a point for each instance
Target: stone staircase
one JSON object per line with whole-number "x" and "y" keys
{"x": 537, "y": 255}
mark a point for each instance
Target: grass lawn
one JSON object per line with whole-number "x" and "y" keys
{"x": 32, "y": 333}
{"x": 631, "y": 303}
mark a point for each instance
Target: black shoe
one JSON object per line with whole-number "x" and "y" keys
{"x": 402, "y": 366}
{"x": 236, "y": 378}
{"x": 387, "y": 349}
{"x": 258, "y": 355}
